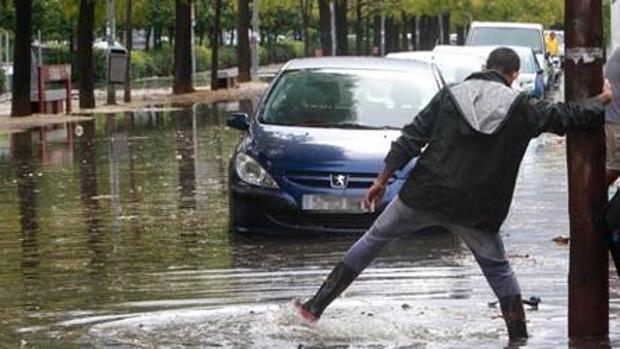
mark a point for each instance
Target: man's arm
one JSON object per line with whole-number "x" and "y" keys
{"x": 560, "y": 118}
{"x": 413, "y": 138}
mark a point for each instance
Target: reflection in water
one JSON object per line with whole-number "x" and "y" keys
{"x": 26, "y": 191}
{"x": 184, "y": 121}
{"x": 90, "y": 205}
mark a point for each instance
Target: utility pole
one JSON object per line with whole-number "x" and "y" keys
{"x": 110, "y": 36}
{"x": 255, "y": 39}
{"x": 588, "y": 289}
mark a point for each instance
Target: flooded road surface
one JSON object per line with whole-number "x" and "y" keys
{"x": 114, "y": 235}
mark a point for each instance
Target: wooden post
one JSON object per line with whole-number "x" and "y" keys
{"x": 588, "y": 291}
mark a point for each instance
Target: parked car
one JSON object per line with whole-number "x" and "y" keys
{"x": 531, "y": 76}
{"x": 454, "y": 66}
{"x": 512, "y": 34}
{"x": 317, "y": 141}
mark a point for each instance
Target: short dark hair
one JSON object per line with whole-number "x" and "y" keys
{"x": 504, "y": 59}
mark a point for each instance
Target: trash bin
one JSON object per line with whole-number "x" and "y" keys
{"x": 117, "y": 65}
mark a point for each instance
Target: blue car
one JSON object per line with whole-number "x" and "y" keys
{"x": 317, "y": 141}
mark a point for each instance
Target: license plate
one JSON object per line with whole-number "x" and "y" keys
{"x": 332, "y": 203}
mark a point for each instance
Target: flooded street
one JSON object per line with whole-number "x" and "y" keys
{"x": 114, "y": 234}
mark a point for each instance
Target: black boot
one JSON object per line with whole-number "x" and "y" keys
{"x": 514, "y": 316}
{"x": 337, "y": 281}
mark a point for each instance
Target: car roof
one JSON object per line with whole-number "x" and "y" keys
{"x": 507, "y": 25}
{"x": 429, "y": 56}
{"x": 368, "y": 63}
{"x": 481, "y": 51}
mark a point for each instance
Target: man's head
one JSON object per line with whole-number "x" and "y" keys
{"x": 552, "y": 35}
{"x": 505, "y": 61}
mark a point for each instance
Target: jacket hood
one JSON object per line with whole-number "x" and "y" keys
{"x": 484, "y": 100}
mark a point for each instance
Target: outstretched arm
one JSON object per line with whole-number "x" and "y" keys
{"x": 560, "y": 118}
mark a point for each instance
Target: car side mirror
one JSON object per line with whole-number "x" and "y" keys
{"x": 240, "y": 121}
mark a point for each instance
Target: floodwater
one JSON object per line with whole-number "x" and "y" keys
{"x": 113, "y": 234}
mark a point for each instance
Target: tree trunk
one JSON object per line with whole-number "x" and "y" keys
{"x": 342, "y": 43}
{"x": 129, "y": 45}
{"x": 303, "y": 6}
{"x": 359, "y": 31}
{"x": 445, "y": 22}
{"x": 460, "y": 35}
{"x": 325, "y": 27}
{"x": 404, "y": 39}
{"x": 20, "y": 104}
{"x": 86, "y": 28}
{"x": 368, "y": 38}
{"x": 376, "y": 38}
{"x": 414, "y": 33}
{"x": 429, "y": 32}
{"x": 183, "y": 48}
{"x": 389, "y": 35}
{"x": 148, "y": 39}
{"x": 215, "y": 43}
{"x": 243, "y": 48}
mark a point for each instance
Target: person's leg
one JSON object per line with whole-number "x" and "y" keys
{"x": 394, "y": 221}
{"x": 488, "y": 249}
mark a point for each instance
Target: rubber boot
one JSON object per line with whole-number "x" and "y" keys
{"x": 338, "y": 280}
{"x": 514, "y": 316}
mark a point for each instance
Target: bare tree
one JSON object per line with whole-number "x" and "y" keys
{"x": 243, "y": 48}
{"x": 183, "y": 48}
{"x": 20, "y": 104}
{"x": 86, "y": 27}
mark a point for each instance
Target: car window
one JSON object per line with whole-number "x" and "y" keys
{"x": 493, "y": 36}
{"x": 348, "y": 98}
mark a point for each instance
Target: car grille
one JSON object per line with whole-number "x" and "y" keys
{"x": 324, "y": 221}
{"x": 323, "y": 179}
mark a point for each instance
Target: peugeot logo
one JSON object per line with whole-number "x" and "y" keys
{"x": 339, "y": 181}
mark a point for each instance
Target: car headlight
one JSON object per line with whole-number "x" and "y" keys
{"x": 250, "y": 171}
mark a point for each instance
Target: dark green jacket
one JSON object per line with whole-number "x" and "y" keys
{"x": 476, "y": 134}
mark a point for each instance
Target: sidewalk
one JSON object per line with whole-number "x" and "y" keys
{"x": 141, "y": 99}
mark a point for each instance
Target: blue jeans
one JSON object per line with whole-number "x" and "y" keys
{"x": 399, "y": 219}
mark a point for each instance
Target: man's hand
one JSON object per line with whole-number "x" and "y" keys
{"x": 377, "y": 190}
{"x": 373, "y": 195}
{"x": 607, "y": 94}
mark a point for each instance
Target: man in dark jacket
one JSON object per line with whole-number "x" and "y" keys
{"x": 475, "y": 134}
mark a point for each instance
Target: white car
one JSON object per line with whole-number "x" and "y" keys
{"x": 512, "y": 34}
{"x": 530, "y": 78}
{"x": 454, "y": 67}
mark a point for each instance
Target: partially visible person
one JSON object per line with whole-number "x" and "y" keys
{"x": 552, "y": 45}
{"x": 470, "y": 140}
{"x": 611, "y": 72}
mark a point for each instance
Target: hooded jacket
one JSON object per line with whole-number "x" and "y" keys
{"x": 474, "y": 135}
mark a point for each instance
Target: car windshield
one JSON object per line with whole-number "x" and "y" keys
{"x": 493, "y": 36}
{"x": 528, "y": 63}
{"x": 348, "y": 98}
{"x": 456, "y": 71}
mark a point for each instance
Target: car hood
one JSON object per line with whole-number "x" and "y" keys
{"x": 287, "y": 148}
